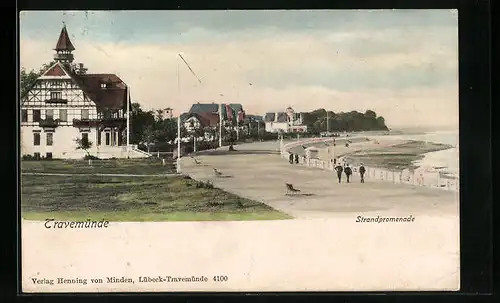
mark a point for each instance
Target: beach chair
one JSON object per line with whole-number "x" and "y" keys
{"x": 217, "y": 173}
{"x": 290, "y": 189}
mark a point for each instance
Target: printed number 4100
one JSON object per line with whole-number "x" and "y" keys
{"x": 220, "y": 278}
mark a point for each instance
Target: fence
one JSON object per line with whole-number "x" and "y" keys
{"x": 432, "y": 179}
{"x": 288, "y": 146}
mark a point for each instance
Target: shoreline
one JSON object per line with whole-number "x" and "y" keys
{"x": 393, "y": 160}
{"x": 383, "y": 153}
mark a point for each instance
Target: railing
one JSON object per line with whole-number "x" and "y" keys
{"x": 48, "y": 123}
{"x": 62, "y": 101}
{"x": 85, "y": 122}
{"x": 433, "y": 179}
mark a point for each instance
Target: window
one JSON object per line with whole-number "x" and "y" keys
{"x": 107, "y": 138}
{"x": 24, "y": 115}
{"x": 63, "y": 115}
{"x": 37, "y": 156}
{"x": 36, "y": 139}
{"x": 103, "y": 85}
{"x": 36, "y": 115}
{"x": 85, "y": 114}
{"x": 56, "y": 95}
{"x": 85, "y": 136}
{"x": 49, "y": 114}
{"x": 50, "y": 139}
{"x": 98, "y": 138}
{"x": 48, "y": 156}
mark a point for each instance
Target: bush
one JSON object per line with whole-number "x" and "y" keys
{"x": 201, "y": 184}
{"x": 28, "y": 158}
{"x": 87, "y": 157}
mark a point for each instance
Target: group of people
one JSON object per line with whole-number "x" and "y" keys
{"x": 293, "y": 158}
{"x": 339, "y": 168}
{"x": 346, "y": 169}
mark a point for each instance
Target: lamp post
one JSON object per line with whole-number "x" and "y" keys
{"x": 178, "y": 123}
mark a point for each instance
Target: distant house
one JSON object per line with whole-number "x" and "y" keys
{"x": 193, "y": 121}
{"x": 199, "y": 108}
{"x": 287, "y": 121}
{"x": 206, "y": 112}
{"x": 254, "y": 118}
{"x": 213, "y": 107}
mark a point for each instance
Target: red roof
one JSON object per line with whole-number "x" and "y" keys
{"x": 112, "y": 96}
{"x": 56, "y": 70}
{"x": 64, "y": 43}
{"x": 206, "y": 119}
{"x": 209, "y": 119}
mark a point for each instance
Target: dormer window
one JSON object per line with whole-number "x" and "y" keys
{"x": 106, "y": 84}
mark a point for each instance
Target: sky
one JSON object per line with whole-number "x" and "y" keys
{"x": 403, "y": 64}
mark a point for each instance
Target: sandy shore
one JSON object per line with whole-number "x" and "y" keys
{"x": 386, "y": 152}
{"x": 356, "y": 144}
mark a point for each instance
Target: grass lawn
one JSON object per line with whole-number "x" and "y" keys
{"x": 173, "y": 198}
{"x": 113, "y": 166}
{"x": 397, "y": 157}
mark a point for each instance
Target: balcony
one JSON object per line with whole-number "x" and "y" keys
{"x": 49, "y": 123}
{"x": 56, "y": 101}
{"x": 85, "y": 122}
{"x": 64, "y": 57}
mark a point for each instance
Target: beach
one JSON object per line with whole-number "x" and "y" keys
{"x": 429, "y": 159}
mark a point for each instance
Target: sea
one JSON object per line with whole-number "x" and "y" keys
{"x": 447, "y": 160}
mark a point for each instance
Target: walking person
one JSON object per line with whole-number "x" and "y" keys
{"x": 362, "y": 171}
{"x": 339, "y": 170}
{"x": 348, "y": 172}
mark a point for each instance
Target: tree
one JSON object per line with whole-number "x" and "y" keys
{"x": 139, "y": 120}
{"x": 84, "y": 144}
{"x": 370, "y": 114}
{"x": 149, "y": 136}
{"x": 348, "y": 121}
{"x": 159, "y": 114}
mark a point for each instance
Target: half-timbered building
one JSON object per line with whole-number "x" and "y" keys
{"x": 66, "y": 103}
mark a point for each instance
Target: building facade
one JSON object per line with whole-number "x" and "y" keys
{"x": 287, "y": 121}
{"x": 66, "y": 103}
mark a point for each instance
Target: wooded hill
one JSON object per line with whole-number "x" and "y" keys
{"x": 339, "y": 122}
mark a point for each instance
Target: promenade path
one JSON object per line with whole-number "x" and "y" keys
{"x": 101, "y": 175}
{"x": 257, "y": 172}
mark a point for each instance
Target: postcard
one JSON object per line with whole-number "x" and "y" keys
{"x": 239, "y": 151}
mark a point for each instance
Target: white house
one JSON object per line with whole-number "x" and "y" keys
{"x": 66, "y": 103}
{"x": 287, "y": 121}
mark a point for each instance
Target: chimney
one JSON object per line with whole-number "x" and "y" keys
{"x": 80, "y": 69}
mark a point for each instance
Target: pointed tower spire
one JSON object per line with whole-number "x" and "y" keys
{"x": 64, "y": 47}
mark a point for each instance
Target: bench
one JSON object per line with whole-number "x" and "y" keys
{"x": 217, "y": 173}
{"x": 290, "y": 189}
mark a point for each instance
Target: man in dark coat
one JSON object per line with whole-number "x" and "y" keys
{"x": 362, "y": 171}
{"x": 348, "y": 172}
{"x": 339, "y": 170}
{"x": 290, "y": 158}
